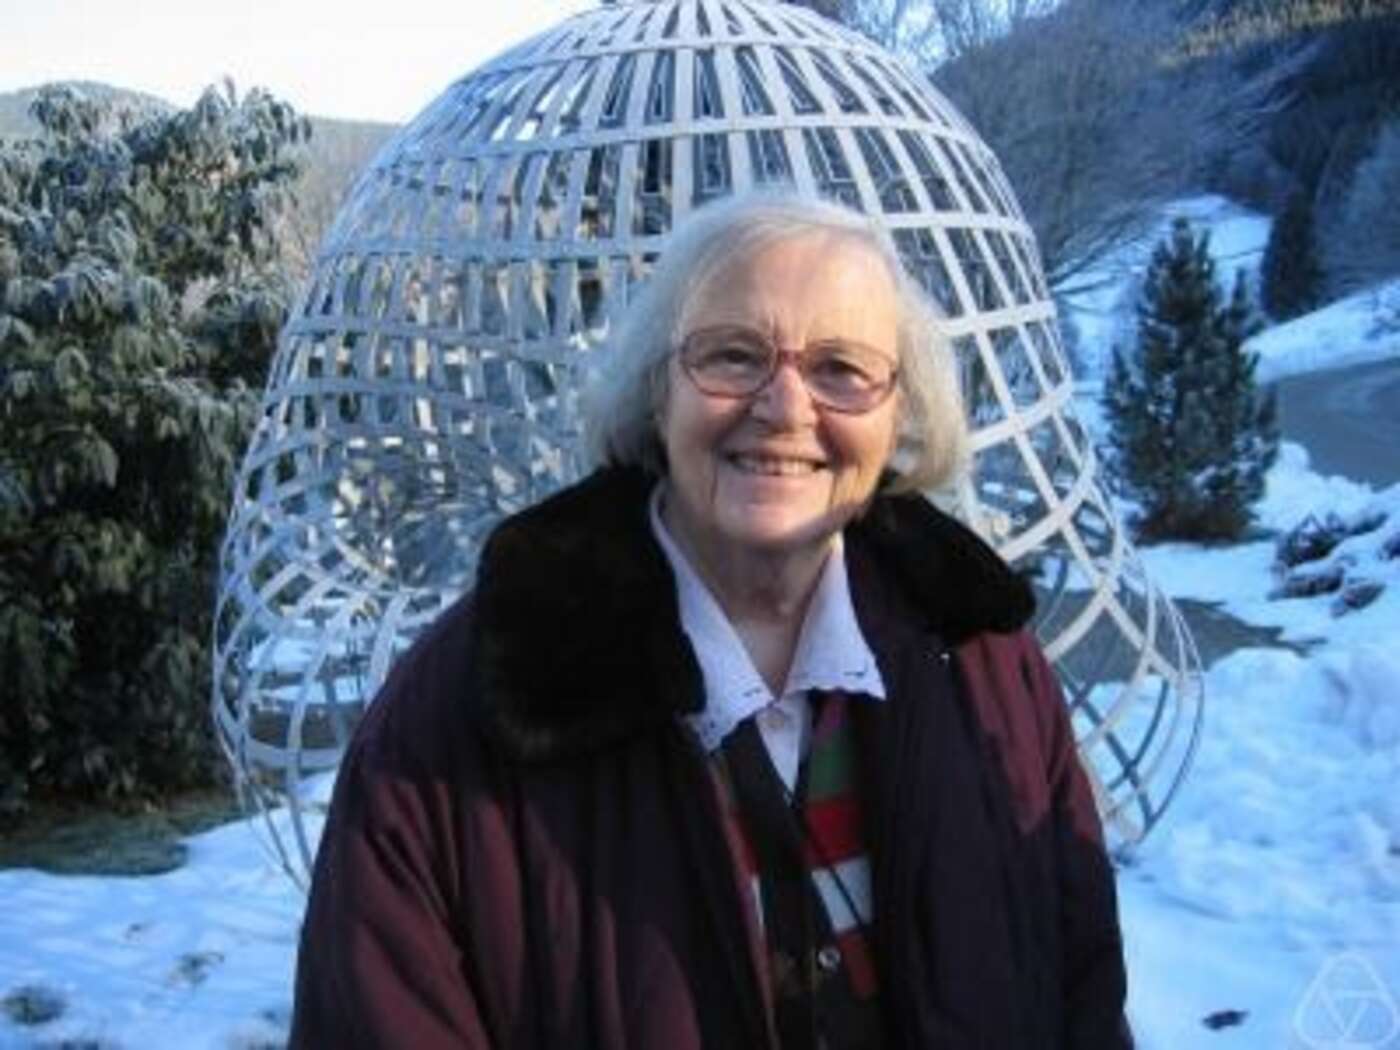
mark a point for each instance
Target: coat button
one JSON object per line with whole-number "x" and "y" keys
{"x": 829, "y": 958}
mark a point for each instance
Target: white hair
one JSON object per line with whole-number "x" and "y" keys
{"x": 628, "y": 388}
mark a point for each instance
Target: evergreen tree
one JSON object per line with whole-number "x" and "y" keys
{"x": 1292, "y": 275}
{"x": 1190, "y": 438}
{"x": 140, "y": 300}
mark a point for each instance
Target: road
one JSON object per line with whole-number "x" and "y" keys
{"x": 1348, "y": 419}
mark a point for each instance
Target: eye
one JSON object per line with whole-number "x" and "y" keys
{"x": 734, "y": 354}
{"x": 837, "y": 367}
{"x": 848, "y": 367}
{"x": 727, "y": 353}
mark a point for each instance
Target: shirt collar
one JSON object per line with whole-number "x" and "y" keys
{"x": 832, "y": 653}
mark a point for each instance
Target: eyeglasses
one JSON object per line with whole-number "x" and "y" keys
{"x": 732, "y": 361}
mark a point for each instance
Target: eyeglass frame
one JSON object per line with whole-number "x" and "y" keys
{"x": 781, "y": 355}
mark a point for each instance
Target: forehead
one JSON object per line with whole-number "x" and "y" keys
{"x": 811, "y": 284}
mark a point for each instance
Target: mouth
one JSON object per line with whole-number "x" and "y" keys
{"x": 774, "y": 466}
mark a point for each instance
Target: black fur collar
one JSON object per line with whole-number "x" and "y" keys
{"x": 576, "y": 635}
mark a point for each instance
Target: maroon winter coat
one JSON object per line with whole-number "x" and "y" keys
{"x": 525, "y": 848}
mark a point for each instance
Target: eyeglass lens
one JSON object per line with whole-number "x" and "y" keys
{"x": 738, "y": 362}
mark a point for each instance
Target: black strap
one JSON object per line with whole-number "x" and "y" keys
{"x": 785, "y": 885}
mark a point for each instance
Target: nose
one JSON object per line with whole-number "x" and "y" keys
{"x": 785, "y": 402}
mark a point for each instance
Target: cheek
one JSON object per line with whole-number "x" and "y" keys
{"x": 690, "y": 435}
{"x": 868, "y": 450}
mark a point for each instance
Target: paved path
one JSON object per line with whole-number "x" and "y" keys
{"x": 1348, "y": 419}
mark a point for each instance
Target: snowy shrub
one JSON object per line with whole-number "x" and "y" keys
{"x": 32, "y": 1004}
{"x": 1315, "y": 558}
{"x": 140, "y": 300}
{"x": 1314, "y": 538}
{"x": 1311, "y": 582}
{"x": 1390, "y": 549}
{"x": 1357, "y": 594}
{"x": 1308, "y": 541}
{"x": 1189, "y": 436}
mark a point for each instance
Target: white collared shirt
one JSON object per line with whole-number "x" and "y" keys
{"x": 831, "y": 654}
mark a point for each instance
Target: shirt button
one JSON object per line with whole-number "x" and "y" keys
{"x": 829, "y": 958}
{"x": 775, "y": 718}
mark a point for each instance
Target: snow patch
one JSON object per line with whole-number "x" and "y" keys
{"x": 1282, "y": 850}
{"x": 1350, "y": 331}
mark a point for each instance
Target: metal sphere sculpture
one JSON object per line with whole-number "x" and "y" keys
{"x": 426, "y": 383}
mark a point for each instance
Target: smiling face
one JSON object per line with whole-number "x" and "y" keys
{"x": 775, "y": 472}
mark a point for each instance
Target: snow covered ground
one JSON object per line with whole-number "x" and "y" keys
{"x": 1269, "y": 899}
{"x": 1263, "y": 913}
{"x": 1273, "y": 885}
{"x": 1272, "y": 889}
{"x": 1270, "y": 896}
{"x": 197, "y": 958}
{"x": 1346, "y": 332}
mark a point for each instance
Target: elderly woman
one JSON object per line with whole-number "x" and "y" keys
{"x": 739, "y": 742}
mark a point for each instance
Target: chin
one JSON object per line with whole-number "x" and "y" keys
{"x": 774, "y": 533}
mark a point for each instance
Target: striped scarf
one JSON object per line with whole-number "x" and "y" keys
{"x": 834, "y": 993}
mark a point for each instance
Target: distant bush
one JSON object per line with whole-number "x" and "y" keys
{"x": 1292, "y": 274}
{"x": 140, "y": 301}
{"x": 1190, "y": 438}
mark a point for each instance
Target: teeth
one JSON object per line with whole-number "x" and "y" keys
{"x": 773, "y": 465}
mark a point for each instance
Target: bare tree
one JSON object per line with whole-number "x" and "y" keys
{"x": 1100, "y": 110}
{"x": 1072, "y": 95}
{"x": 338, "y": 152}
{"x": 932, "y": 31}
{"x": 1094, "y": 130}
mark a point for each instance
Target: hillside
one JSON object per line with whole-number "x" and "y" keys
{"x": 15, "y": 121}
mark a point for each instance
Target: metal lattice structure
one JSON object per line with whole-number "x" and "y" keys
{"x": 426, "y": 384}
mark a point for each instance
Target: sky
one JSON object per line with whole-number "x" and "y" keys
{"x": 336, "y": 58}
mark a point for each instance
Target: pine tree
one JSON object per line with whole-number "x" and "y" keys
{"x": 140, "y": 301}
{"x": 1292, "y": 275}
{"x": 1190, "y": 438}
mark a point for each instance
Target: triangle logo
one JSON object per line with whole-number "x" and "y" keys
{"x": 1348, "y": 1007}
